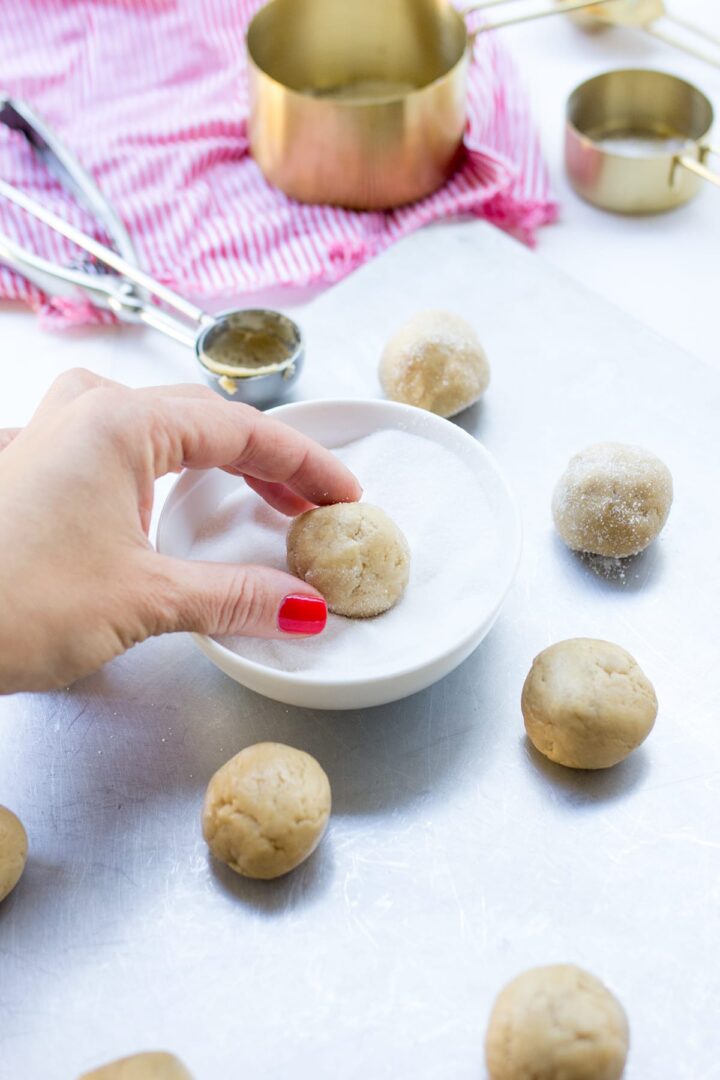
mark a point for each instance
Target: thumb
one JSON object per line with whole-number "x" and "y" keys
{"x": 246, "y": 601}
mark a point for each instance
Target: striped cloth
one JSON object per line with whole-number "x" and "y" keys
{"x": 151, "y": 95}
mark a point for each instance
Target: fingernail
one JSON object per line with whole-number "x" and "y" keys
{"x": 300, "y": 614}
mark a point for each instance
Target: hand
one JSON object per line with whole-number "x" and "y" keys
{"x": 80, "y": 582}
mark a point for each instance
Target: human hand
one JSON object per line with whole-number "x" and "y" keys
{"x": 80, "y": 582}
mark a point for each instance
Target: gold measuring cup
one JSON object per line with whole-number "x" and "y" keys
{"x": 636, "y": 141}
{"x": 362, "y": 103}
{"x": 651, "y": 17}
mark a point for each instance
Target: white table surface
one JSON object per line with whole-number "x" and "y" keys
{"x": 456, "y": 857}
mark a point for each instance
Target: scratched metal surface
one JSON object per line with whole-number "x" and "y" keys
{"x": 455, "y": 857}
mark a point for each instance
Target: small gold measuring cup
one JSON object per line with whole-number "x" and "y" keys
{"x": 362, "y": 103}
{"x": 636, "y": 141}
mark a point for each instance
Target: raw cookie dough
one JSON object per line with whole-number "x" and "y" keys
{"x": 435, "y": 362}
{"x": 556, "y": 1023}
{"x": 154, "y": 1065}
{"x": 13, "y": 851}
{"x": 613, "y": 499}
{"x": 587, "y": 704}
{"x": 266, "y": 810}
{"x": 353, "y": 554}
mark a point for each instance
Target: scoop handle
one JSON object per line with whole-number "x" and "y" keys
{"x": 105, "y": 255}
{"x": 18, "y": 116}
{"x": 678, "y": 43}
{"x": 542, "y": 13}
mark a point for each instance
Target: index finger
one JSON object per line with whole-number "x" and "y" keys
{"x": 203, "y": 433}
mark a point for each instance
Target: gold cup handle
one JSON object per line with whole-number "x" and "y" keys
{"x": 698, "y": 166}
{"x": 685, "y": 46}
{"x": 577, "y": 5}
{"x": 541, "y": 13}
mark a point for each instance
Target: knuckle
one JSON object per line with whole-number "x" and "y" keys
{"x": 250, "y": 445}
{"x": 162, "y": 440}
{"x": 205, "y": 392}
{"x": 104, "y": 407}
{"x": 301, "y": 467}
{"x": 241, "y": 605}
{"x": 76, "y": 380}
{"x": 246, "y": 605}
{"x": 162, "y": 604}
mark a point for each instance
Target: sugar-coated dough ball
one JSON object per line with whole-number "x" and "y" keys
{"x": 556, "y": 1023}
{"x": 352, "y": 553}
{"x": 13, "y": 851}
{"x": 587, "y": 704}
{"x": 613, "y": 499}
{"x": 154, "y": 1065}
{"x": 435, "y": 362}
{"x": 266, "y": 810}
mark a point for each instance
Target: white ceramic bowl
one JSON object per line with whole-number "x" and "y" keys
{"x": 196, "y": 495}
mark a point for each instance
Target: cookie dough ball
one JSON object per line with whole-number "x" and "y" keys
{"x": 154, "y": 1065}
{"x": 613, "y": 499}
{"x": 13, "y": 851}
{"x": 435, "y": 362}
{"x": 587, "y": 704}
{"x": 266, "y": 810}
{"x": 556, "y": 1023}
{"x": 353, "y": 554}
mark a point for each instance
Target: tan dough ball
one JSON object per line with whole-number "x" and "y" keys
{"x": 613, "y": 499}
{"x": 266, "y": 810}
{"x": 153, "y": 1065}
{"x": 556, "y": 1023}
{"x": 435, "y": 362}
{"x": 587, "y": 704}
{"x": 13, "y": 851}
{"x": 352, "y": 553}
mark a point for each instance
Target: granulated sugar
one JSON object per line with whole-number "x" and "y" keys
{"x": 441, "y": 507}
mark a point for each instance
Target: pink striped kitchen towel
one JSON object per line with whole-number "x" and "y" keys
{"x": 151, "y": 95}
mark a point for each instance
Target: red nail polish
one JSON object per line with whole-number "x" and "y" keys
{"x": 302, "y": 614}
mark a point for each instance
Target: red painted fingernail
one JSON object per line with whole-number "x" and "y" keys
{"x": 302, "y": 614}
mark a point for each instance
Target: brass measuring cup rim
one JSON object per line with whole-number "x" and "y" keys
{"x": 368, "y": 102}
{"x": 372, "y": 100}
{"x": 585, "y": 87}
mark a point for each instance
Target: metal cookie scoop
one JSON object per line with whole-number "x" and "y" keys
{"x": 251, "y": 355}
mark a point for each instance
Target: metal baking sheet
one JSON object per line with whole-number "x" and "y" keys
{"x": 456, "y": 857}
